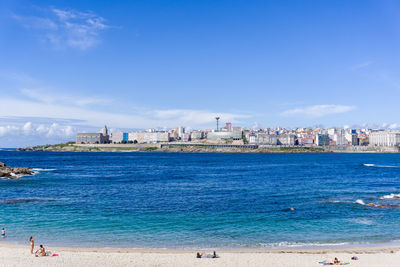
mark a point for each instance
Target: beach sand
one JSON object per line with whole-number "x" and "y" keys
{"x": 17, "y": 255}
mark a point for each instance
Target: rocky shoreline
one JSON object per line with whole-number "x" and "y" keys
{"x": 13, "y": 173}
{"x": 171, "y": 148}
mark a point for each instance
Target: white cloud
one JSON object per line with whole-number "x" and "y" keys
{"x": 42, "y": 130}
{"x": 66, "y": 28}
{"x": 27, "y": 128}
{"x": 317, "y": 111}
{"x": 193, "y": 117}
{"x": 44, "y": 96}
{"x": 4, "y": 130}
{"x": 361, "y": 65}
{"x": 89, "y": 116}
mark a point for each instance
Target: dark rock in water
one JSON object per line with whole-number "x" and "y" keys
{"x": 4, "y": 172}
{"x": 10, "y": 173}
{"x": 21, "y": 171}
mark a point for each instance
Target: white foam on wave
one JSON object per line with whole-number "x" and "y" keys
{"x": 42, "y": 170}
{"x": 390, "y": 196}
{"x": 360, "y": 201}
{"x": 286, "y": 244}
{"x": 369, "y": 165}
{"x": 362, "y": 221}
{"x": 379, "y": 166}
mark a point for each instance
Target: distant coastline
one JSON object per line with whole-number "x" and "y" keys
{"x": 200, "y": 148}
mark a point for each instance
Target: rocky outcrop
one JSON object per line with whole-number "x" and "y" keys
{"x": 12, "y": 173}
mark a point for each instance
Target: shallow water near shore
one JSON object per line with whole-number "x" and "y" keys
{"x": 171, "y": 200}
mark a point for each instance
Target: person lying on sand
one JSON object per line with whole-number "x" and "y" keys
{"x": 40, "y": 252}
{"x": 336, "y": 261}
{"x": 205, "y": 255}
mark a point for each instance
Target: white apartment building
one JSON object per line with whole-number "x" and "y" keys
{"x": 267, "y": 139}
{"x": 340, "y": 140}
{"x": 286, "y": 139}
{"x": 384, "y": 138}
{"x": 148, "y": 137}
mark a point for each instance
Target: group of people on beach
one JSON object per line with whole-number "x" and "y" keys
{"x": 38, "y": 253}
{"x": 41, "y": 252}
{"x": 205, "y": 255}
{"x": 336, "y": 261}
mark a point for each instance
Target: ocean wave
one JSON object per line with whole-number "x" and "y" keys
{"x": 397, "y": 196}
{"x": 360, "y": 201}
{"x": 362, "y": 221}
{"x": 24, "y": 200}
{"x": 287, "y": 244}
{"x": 42, "y": 170}
{"x": 379, "y": 166}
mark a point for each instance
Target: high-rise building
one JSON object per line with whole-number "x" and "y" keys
{"x": 322, "y": 139}
{"x": 384, "y": 138}
{"x": 228, "y": 127}
{"x": 181, "y": 131}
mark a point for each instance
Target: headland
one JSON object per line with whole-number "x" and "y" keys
{"x": 206, "y": 148}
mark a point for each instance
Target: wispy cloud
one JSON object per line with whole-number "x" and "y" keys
{"x": 43, "y": 96}
{"x": 361, "y": 65}
{"x": 317, "y": 111}
{"x": 195, "y": 117}
{"x": 66, "y": 27}
{"x": 90, "y": 115}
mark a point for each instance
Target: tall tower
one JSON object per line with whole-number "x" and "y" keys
{"x": 217, "y": 118}
{"x": 105, "y": 131}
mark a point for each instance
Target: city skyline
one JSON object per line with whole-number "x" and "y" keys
{"x": 72, "y": 66}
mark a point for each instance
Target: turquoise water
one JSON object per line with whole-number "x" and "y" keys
{"x": 167, "y": 200}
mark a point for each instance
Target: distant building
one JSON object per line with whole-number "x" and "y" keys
{"x": 286, "y": 139}
{"x": 149, "y": 137}
{"x": 236, "y": 129}
{"x": 181, "y": 131}
{"x": 252, "y": 139}
{"x": 228, "y": 127}
{"x": 185, "y": 137}
{"x": 197, "y": 135}
{"x": 265, "y": 139}
{"x": 322, "y": 139}
{"x": 306, "y": 141}
{"x": 93, "y": 138}
{"x": 119, "y": 137}
{"x": 224, "y": 135}
{"x": 340, "y": 140}
{"x": 384, "y": 138}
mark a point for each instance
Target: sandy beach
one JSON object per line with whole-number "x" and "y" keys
{"x": 18, "y": 255}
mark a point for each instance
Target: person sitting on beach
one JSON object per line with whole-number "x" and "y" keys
{"x": 40, "y": 252}
{"x": 215, "y": 255}
{"x": 32, "y": 243}
{"x": 198, "y": 255}
{"x": 3, "y": 233}
{"x": 336, "y": 261}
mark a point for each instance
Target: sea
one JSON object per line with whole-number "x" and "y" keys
{"x": 202, "y": 200}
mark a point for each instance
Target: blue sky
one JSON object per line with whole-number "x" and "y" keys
{"x": 69, "y": 66}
